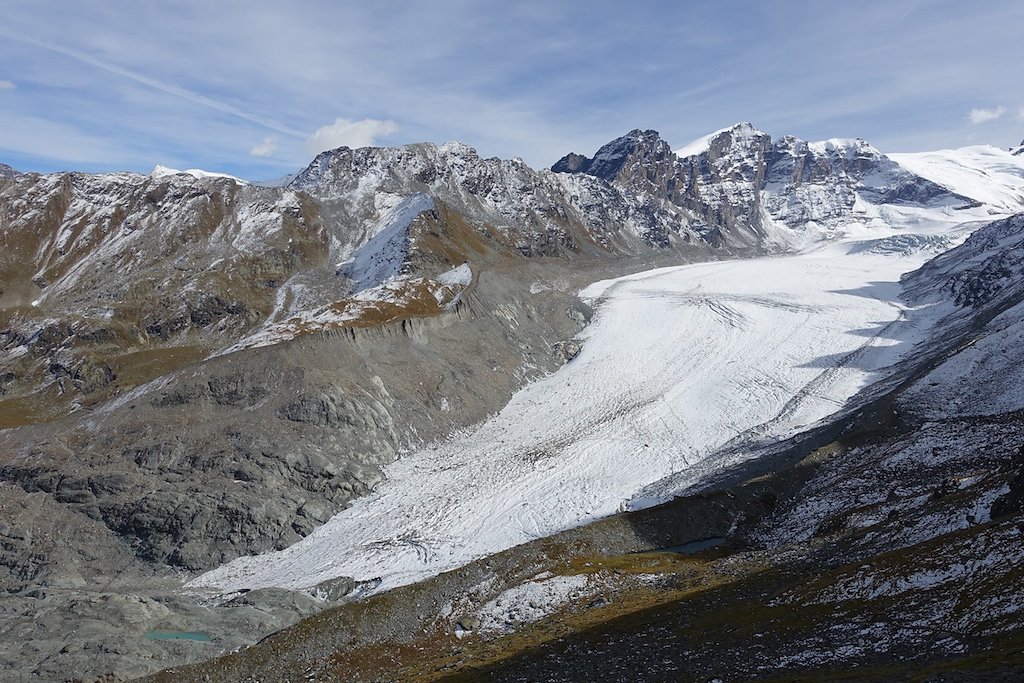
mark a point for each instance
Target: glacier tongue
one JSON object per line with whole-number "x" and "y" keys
{"x": 678, "y": 363}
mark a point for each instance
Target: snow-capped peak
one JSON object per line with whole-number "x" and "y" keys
{"x": 160, "y": 171}
{"x": 986, "y": 174}
{"x": 740, "y": 132}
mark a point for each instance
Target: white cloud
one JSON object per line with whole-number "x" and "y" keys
{"x": 347, "y": 133}
{"x": 6, "y": 85}
{"x": 265, "y": 148}
{"x": 979, "y": 116}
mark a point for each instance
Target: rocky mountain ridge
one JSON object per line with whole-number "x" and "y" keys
{"x": 178, "y": 266}
{"x": 746, "y": 188}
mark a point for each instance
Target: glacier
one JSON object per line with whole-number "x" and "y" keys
{"x": 683, "y": 371}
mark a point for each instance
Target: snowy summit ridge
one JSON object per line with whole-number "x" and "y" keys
{"x": 160, "y": 171}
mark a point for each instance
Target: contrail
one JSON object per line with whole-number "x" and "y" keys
{"x": 913, "y": 6}
{"x": 156, "y": 84}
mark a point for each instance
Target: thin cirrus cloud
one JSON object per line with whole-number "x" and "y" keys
{"x": 6, "y": 85}
{"x": 253, "y": 87}
{"x": 157, "y": 84}
{"x": 348, "y": 133}
{"x": 980, "y": 116}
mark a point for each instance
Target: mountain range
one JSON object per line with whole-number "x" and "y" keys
{"x": 348, "y": 397}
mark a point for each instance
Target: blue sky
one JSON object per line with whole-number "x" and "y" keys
{"x": 257, "y": 88}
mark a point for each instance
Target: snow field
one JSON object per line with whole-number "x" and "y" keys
{"x": 987, "y": 174}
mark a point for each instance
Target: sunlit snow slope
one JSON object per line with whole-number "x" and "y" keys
{"x": 989, "y": 175}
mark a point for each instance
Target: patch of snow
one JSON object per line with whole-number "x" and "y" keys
{"x": 530, "y": 602}
{"x": 398, "y": 290}
{"x": 382, "y": 256}
{"x": 459, "y": 275}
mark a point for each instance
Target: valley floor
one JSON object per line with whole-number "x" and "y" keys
{"x": 683, "y": 371}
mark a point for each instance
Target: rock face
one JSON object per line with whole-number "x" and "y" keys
{"x": 7, "y": 172}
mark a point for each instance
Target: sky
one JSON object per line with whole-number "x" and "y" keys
{"x": 258, "y": 88}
